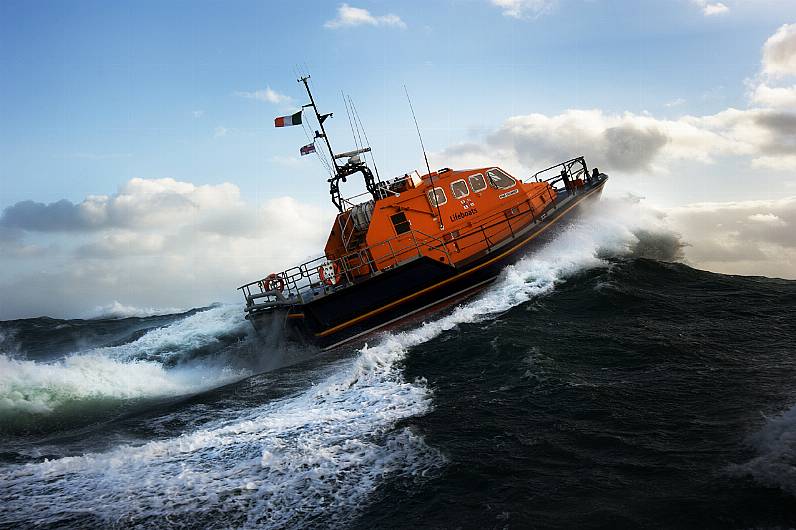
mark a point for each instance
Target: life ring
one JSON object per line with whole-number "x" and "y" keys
{"x": 329, "y": 273}
{"x": 272, "y": 282}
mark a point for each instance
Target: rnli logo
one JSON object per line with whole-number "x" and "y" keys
{"x": 467, "y": 204}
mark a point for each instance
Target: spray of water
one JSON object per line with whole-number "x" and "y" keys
{"x": 775, "y": 462}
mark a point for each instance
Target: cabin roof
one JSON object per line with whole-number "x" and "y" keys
{"x": 451, "y": 173}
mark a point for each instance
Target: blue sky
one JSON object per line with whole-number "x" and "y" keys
{"x": 96, "y": 93}
{"x": 681, "y": 101}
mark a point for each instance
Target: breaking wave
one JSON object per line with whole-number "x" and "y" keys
{"x": 117, "y": 309}
{"x": 311, "y": 458}
{"x": 179, "y": 341}
{"x": 153, "y": 365}
{"x": 775, "y": 444}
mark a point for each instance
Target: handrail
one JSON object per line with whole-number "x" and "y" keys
{"x": 567, "y": 165}
{"x": 304, "y": 279}
{"x": 348, "y": 200}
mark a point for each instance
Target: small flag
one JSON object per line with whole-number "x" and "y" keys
{"x": 285, "y": 121}
{"x": 307, "y": 149}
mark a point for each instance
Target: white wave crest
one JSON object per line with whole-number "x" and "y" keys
{"x": 31, "y": 387}
{"x": 128, "y": 371}
{"x": 117, "y": 309}
{"x": 308, "y": 460}
{"x": 185, "y": 335}
{"x": 775, "y": 464}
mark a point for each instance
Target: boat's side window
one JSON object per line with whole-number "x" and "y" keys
{"x": 500, "y": 179}
{"x": 400, "y": 223}
{"x": 459, "y": 189}
{"x": 477, "y": 182}
{"x": 436, "y": 197}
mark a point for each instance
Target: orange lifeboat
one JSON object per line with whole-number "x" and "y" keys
{"x": 414, "y": 243}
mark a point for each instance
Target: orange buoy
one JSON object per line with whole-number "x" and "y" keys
{"x": 272, "y": 282}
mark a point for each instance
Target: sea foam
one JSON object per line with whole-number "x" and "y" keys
{"x": 775, "y": 444}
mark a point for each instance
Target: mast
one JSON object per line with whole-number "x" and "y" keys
{"x": 353, "y": 165}
{"x": 320, "y": 118}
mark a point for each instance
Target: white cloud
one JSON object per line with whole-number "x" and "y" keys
{"x": 711, "y": 8}
{"x": 349, "y": 16}
{"x": 268, "y": 95}
{"x": 778, "y": 62}
{"x": 629, "y": 142}
{"x": 524, "y": 8}
{"x": 197, "y": 113}
{"x": 779, "y": 52}
{"x": 162, "y": 242}
{"x": 743, "y": 237}
{"x": 776, "y": 163}
{"x": 715, "y": 9}
{"x": 220, "y": 131}
{"x": 674, "y": 103}
{"x": 767, "y": 218}
{"x": 780, "y": 97}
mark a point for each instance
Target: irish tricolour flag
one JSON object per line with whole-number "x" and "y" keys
{"x": 284, "y": 121}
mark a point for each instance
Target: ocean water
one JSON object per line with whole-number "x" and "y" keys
{"x": 597, "y": 384}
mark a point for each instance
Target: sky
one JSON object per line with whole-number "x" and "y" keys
{"x": 139, "y": 165}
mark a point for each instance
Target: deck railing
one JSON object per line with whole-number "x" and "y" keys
{"x": 304, "y": 282}
{"x": 574, "y": 169}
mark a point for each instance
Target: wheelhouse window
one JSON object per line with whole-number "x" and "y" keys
{"x": 500, "y": 179}
{"x": 459, "y": 189}
{"x": 400, "y": 223}
{"x": 477, "y": 182}
{"x": 436, "y": 197}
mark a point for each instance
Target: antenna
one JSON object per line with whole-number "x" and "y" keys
{"x": 365, "y": 134}
{"x": 418, "y": 130}
{"x": 428, "y": 167}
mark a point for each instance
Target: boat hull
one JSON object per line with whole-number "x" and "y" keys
{"x": 414, "y": 288}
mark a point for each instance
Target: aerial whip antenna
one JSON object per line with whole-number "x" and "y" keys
{"x": 418, "y": 129}
{"x": 428, "y": 167}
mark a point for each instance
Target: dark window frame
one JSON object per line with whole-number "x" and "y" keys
{"x": 401, "y": 226}
{"x": 502, "y": 173}
{"x": 433, "y": 191}
{"x": 453, "y": 192}
{"x": 483, "y": 179}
